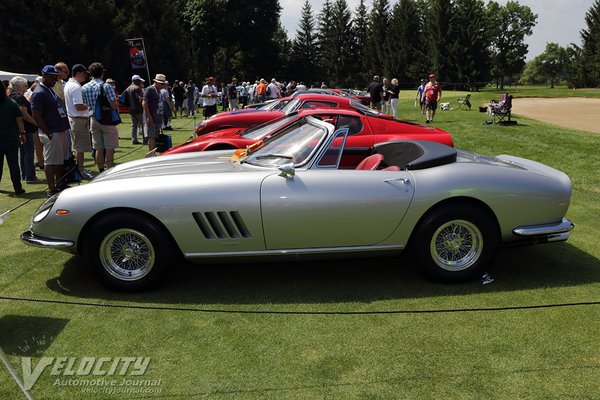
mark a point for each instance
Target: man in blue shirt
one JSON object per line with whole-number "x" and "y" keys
{"x": 51, "y": 119}
{"x": 105, "y": 138}
{"x": 419, "y": 95}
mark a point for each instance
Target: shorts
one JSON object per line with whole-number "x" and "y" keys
{"x": 80, "y": 133}
{"x": 56, "y": 150}
{"x": 178, "y": 104}
{"x": 431, "y": 104}
{"x": 152, "y": 131}
{"x": 104, "y": 136}
{"x": 210, "y": 110}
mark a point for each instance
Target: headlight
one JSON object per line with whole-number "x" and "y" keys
{"x": 44, "y": 209}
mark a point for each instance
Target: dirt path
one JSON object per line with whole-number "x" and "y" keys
{"x": 570, "y": 112}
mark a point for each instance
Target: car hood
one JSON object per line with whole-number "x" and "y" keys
{"x": 176, "y": 164}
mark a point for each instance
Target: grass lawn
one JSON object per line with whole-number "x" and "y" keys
{"x": 348, "y": 329}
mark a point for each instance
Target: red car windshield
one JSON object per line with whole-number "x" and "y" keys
{"x": 260, "y": 131}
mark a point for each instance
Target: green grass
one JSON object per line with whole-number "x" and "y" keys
{"x": 507, "y": 354}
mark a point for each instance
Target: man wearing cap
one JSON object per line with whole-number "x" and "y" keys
{"x": 105, "y": 138}
{"x": 51, "y": 119}
{"x": 135, "y": 94}
{"x": 154, "y": 109}
{"x": 209, "y": 96}
{"x": 78, "y": 114}
{"x": 433, "y": 94}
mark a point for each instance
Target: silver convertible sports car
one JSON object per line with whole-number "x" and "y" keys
{"x": 289, "y": 197}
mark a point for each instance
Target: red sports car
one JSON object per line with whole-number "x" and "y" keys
{"x": 248, "y": 118}
{"x": 365, "y": 131}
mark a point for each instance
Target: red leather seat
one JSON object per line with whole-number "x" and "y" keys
{"x": 371, "y": 162}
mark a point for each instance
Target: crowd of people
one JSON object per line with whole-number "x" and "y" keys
{"x": 55, "y": 117}
{"x": 385, "y": 94}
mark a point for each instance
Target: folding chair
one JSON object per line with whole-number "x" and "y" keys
{"x": 501, "y": 110}
{"x": 464, "y": 102}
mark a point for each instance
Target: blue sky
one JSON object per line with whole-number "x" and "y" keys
{"x": 558, "y": 21}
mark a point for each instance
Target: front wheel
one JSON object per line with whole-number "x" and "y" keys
{"x": 127, "y": 252}
{"x": 456, "y": 242}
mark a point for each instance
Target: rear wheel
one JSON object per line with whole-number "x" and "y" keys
{"x": 127, "y": 252}
{"x": 456, "y": 242}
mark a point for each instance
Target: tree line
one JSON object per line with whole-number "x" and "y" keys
{"x": 469, "y": 43}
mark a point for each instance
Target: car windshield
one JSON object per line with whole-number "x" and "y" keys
{"x": 258, "y": 132}
{"x": 363, "y": 109}
{"x": 291, "y": 106}
{"x": 295, "y": 144}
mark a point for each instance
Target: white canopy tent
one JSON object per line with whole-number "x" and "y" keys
{"x": 7, "y": 76}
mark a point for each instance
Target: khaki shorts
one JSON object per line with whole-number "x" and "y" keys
{"x": 56, "y": 150}
{"x": 80, "y": 133}
{"x": 104, "y": 136}
{"x": 152, "y": 131}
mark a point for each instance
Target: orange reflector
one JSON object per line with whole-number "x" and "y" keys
{"x": 62, "y": 212}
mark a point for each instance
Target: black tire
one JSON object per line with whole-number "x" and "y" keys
{"x": 127, "y": 252}
{"x": 454, "y": 243}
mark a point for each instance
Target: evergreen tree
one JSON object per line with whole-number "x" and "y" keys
{"x": 305, "y": 55}
{"x": 438, "y": 25}
{"x": 341, "y": 45}
{"x": 360, "y": 55}
{"x": 589, "y": 63}
{"x": 377, "y": 44}
{"x": 405, "y": 41}
{"x": 325, "y": 40}
{"x": 470, "y": 50}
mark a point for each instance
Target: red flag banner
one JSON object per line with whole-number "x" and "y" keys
{"x": 137, "y": 53}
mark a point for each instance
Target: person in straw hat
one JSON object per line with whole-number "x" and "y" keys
{"x": 154, "y": 109}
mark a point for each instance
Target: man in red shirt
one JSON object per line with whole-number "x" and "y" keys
{"x": 433, "y": 93}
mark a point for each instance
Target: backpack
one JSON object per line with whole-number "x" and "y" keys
{"x": 268, "y": 91}
{"x": 104, "y": 112}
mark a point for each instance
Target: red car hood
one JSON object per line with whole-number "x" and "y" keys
{"x": 199, "y": 143}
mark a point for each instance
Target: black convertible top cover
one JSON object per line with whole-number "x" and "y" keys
{"x": 415, "y": 154}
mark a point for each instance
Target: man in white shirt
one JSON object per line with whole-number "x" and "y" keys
{"x": 273, "y": 90}
{"x": 209, "y": 96}
{"x": 78, "y": 114}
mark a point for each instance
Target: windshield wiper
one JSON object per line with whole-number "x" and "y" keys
{"x": 273, "y": 155}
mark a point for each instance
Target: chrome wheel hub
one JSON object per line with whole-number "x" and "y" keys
{"x": 456, "y": 245}
{"x": 127, "y": 254}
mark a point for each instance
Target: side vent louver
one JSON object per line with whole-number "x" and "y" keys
{"x": 221, "y": 225}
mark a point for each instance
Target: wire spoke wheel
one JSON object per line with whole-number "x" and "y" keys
{"x": 127, "y": 254}
{"x": 456, "y": 245}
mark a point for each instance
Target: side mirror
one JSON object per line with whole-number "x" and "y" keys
{"x": 287, "y": 170}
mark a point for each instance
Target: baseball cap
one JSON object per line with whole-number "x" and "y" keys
{"x": 78, "y": 68}
{"x": 211, "y": 78}
{"x": 49, "y": 70}
{"x": 137, "y": 78}
{"x": 432, "y": 75}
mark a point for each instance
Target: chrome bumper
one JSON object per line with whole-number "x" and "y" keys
{"x": 554, "y": 232}
{"x": 32, "y": 239}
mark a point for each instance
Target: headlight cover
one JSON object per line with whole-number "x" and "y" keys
{"x": 44, "y": 209}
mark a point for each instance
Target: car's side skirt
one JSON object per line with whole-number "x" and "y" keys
{"x": 290, "y": 252}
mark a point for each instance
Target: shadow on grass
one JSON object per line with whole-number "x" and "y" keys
{"x": 29, "y": 336}
{"x": 339, "y": 281}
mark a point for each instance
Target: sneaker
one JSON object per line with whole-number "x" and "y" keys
{"x": 51, "y": 193}
{"x": 135, "y": 142}
{"x": 87, "y": 175}
{"x": 19, "y": 191}
{"x": 427, "y": 121}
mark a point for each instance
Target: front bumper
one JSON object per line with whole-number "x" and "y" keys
{"x": 34, "y": 240}
{"x": 554, "y": 232}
